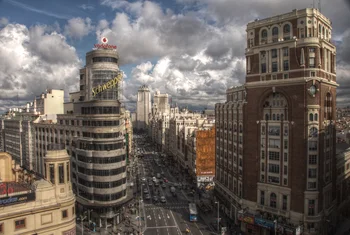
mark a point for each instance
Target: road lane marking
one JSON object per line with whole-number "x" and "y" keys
{"x": 161, "y": 227}
{"x": 177, "y": 226}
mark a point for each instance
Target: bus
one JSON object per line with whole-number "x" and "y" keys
{"x": 193, "y": 212}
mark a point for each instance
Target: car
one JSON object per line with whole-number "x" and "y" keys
{"x": 162, "y": 199}
{"x": 163, "y": 186}
{"x": 145, "y": 191}
{"x": 150, "y": 183}
{"x": 143, "y": 179}
{"x": 147, "y": 196}
{"x": 165, "y": 180}
{"x": 155, "y": 198}
{"x": 154, "y": 179}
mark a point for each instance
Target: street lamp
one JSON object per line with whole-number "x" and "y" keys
{"x": 82, "y": 217}
{"x": 218, "y": 225}
{"x": 275, "y": 222}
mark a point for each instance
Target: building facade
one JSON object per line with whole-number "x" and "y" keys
{"x": 143, "y": 108}
{"x": 275, "y": 141}
{"x": 46, "y": 206}
{"x": 93, "y": 129}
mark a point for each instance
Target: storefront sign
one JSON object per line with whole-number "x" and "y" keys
{"x": 17, "y": 199}
{"x": 110, "y": 84}
{"x": 248, "y": 219}
{"x": 104, "y": 44}
{"x": 264, "y": 223}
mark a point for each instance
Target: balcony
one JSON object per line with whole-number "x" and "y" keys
{"x": 275, "y": 211}
{"x": 313, "y": 218}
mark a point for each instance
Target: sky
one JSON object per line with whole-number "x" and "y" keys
{"x": 191, "y": 49}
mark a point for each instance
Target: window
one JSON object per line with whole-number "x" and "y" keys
{"x": 263, "y": 35}
{"x": 285, "y": 144}
{"x": 263, "y": 68}
{"x": 274, "y": 130}
{"x": 73, "y": 210}
{"x": 20, "y": 223}
{"x": 274, "y": 168}
{"x": 285, "y": 51}
{"x": 262, "y": 154}
{"x": 104, "y": 59}
{"x": 284, "y": 202}
{"x": 312, "y": 145}
{"x": 312, "y": 62}
{"x": 274, "y": 53}
{"x": 285, "y": 76}
{"x": 274, "y": 31}
{"x": 274, "y": 66}
{"x": 285, "y": 65}
{"x": 311, "y": 210}
{"x": 68, "y": 176}
{"x": 312, "y": 173}
{"x": 64, "y": 214}
{"x": 275, "y": 156}
{"x": 2, "y": 227}
{"x": 286, "y": 28}
{"x": 273, "y": 143}
{"x": 285, "y": 170}
{"x": 262, "y": 178}
{"x": 274, "y": 179}
{"x": 61, "y": 173}
{"x": 285, "y": 181}
{"x": 52, "y": 173}
{"x": 312, "y": 159}
{"x": 273, "y": 200}
{"x": 262, "y": 197}
{"x": 312, "y": 50}
{"x": 316, "y": 117}
{"x": 311, "y": 185}
{"x": 286, "y": 157}
{"x": 311, "y": 117}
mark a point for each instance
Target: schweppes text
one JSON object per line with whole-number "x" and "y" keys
{"x": 110, "y": 84}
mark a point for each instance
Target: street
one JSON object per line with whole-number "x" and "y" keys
{"x": 172, "y": 216}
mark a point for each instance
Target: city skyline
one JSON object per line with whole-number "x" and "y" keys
{"x": 192, "y": 50}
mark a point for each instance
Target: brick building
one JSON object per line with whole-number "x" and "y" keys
{"x": 275, "y": 145}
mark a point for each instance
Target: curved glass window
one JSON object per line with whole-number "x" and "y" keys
{"x": 286, "y": 28}
{"x": 102, "y": 197}
{"x": 264, "y": 33}
{"x": 104, "y": 59}
{"x": 311, "y": 117}
{"x": 110, "y": 172}
{"x": 101, "y": 160}
{"x": 95, "y": 184}
{"x": 103, "y": 85}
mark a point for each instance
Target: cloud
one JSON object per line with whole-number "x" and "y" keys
{"x": 89, "y": 7}
{"x": 78, "y": 27}
{"x": 33, "y": 9}
{"x": 3, "y": 21}
{"x": 43, "y": 60}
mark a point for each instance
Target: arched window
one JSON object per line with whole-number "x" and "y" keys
{"x": 316, "y": 117}
{"x": 266, "y": 117}
{"x": 274, "y": 117}
{"x": 286, "y": 28}
{"x": 274, "y": 31}
{"x": 313, "y": 132}
{"x": 273, "y": 200}
{"x": 320, "y": 29}
{"x": 240, "y": 129}
{"x": 282, "y": 117}
{"x": 278, "y": 117}
{"x": 311, "y": 117}
{"x": 264, "y": 34}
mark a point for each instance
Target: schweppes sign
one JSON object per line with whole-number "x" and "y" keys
{"x": 110, "y": 84}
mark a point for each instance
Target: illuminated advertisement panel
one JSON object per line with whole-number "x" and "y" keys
{"x": 205, "y": 151}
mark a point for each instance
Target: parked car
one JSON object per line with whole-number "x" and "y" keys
{"x": 147, "y": 196}
{"x": 155, "y": 198}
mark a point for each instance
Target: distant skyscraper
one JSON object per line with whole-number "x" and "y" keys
{"x": 160, "y": 103}
{"x": 143, "y": 107}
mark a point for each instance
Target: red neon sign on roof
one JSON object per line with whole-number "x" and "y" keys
{"x": 104, "y": 44}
